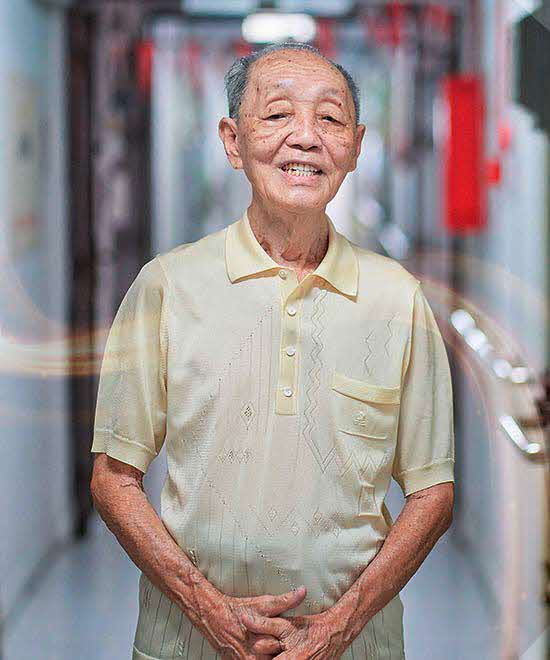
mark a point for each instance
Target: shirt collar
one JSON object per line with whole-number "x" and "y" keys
{"x": 245, "y": 256}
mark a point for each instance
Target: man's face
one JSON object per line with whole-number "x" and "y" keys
{"x": 297, "y": 108}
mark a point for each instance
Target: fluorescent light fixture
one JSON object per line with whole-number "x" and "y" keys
{"x": 516, "y": 434}
{"x": 317, "y": 7}
{"x": 502, "y": 368}
{"x": 266, "y": 27}
{"x": 219, "y": 7}
{"x": 462, "y": 321}
{"x": 476, "y": 339}
{"x": 521, "y": 375}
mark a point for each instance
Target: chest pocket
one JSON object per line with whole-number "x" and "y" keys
{"x": 364, "y": 409}
{"x": 365, "y": 417}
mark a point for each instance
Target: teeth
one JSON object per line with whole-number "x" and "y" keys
{"x": 300, "y": 170}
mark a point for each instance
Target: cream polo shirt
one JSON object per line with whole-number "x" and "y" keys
{"x": 286, "y": 408}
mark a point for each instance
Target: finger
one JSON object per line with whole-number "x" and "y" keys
{"x": 265, "y": 625}
{"x": 265, "y": 645}
{"x": 273, "y": 604}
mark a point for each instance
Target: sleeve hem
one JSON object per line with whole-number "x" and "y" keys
{"x": 127, "y": 451}
{"x": 426, "y": 476}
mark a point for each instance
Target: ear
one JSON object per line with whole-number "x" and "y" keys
{"x": 228, "y": 132}
{"x": 361, "y": 128}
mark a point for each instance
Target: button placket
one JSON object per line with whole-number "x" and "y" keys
{"x": 291, "y": 304}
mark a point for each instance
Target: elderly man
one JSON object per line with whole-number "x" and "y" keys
{"x": 291, "y": 374}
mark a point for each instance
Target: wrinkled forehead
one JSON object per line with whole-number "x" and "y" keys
{"x": 294, "y": 72}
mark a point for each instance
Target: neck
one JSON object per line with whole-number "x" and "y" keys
{"x": 295, "y": 240}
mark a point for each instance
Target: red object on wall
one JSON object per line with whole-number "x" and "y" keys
{"x": 386, "y": 24}
{"x": 325, "y": 37}
{"x": 437, "y": 17}
{"x": 397, "y": 14}
{"x": 144, "y": 64}
{"x": 504, "y": 135}
{"x": 494, "y": 172}
{"x": 242, "y": 48}
{"x": 464, "y": 167}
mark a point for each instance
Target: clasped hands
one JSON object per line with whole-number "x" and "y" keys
{"x": 250, "y": 628}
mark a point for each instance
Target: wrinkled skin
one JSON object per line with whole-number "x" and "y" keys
{"x": 319, "y": 636}
{"x": 118, "y": 494}
{"x": 225, "y": 616}
{"x": 117, "y": 491}
{"x": 287, "y": 217}
{"x": 296, "y": 106}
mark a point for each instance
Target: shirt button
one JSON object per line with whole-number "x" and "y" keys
{"x": 287, "y": 391}
{"x": 290, "y": 350}
{"x": 282, "y": 274}
{"x": 291, "y": 310}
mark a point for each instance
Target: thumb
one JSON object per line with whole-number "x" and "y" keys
{"x": 286, "y": 601}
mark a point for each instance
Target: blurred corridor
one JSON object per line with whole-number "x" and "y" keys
{"x": 109, "y": 155}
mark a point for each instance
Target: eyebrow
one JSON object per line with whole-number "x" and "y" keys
{"x": 334, "y": 91}
{"x": 330, "y": 91}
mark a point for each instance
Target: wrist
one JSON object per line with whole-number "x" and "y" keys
{"x": 349, "y": 614}
{"x": 195, "y": 593}
{"x": 340, "y": 626}
{"x": 201, "y": 601}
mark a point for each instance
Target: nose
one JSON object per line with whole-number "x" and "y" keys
{"x": 304, "y": 134}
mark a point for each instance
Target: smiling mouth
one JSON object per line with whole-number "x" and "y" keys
{"x": 301, "y": 171}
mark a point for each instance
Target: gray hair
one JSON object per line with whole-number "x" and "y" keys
{"x": 236, "y": 77}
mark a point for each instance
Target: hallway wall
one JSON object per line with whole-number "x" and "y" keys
{"x": 34, "y": 474}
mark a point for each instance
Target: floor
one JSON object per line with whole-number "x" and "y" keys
{"x": 86, "y": 607}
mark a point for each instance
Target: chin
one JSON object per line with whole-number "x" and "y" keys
{"x": 300, "y": 202}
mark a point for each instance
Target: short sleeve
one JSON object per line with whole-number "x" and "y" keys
{"x": 424, "y": 453}
{"x": 130, "y": 416}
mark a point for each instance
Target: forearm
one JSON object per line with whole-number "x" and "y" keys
{"x": 129, "y": 515}
{"x": 412, "y": 537}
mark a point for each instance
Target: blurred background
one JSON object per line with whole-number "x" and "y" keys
{"x": 109, "y": 154}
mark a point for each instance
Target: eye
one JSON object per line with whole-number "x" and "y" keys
{"x": 279, "y": 114}
{"x": 331, "y": 118}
